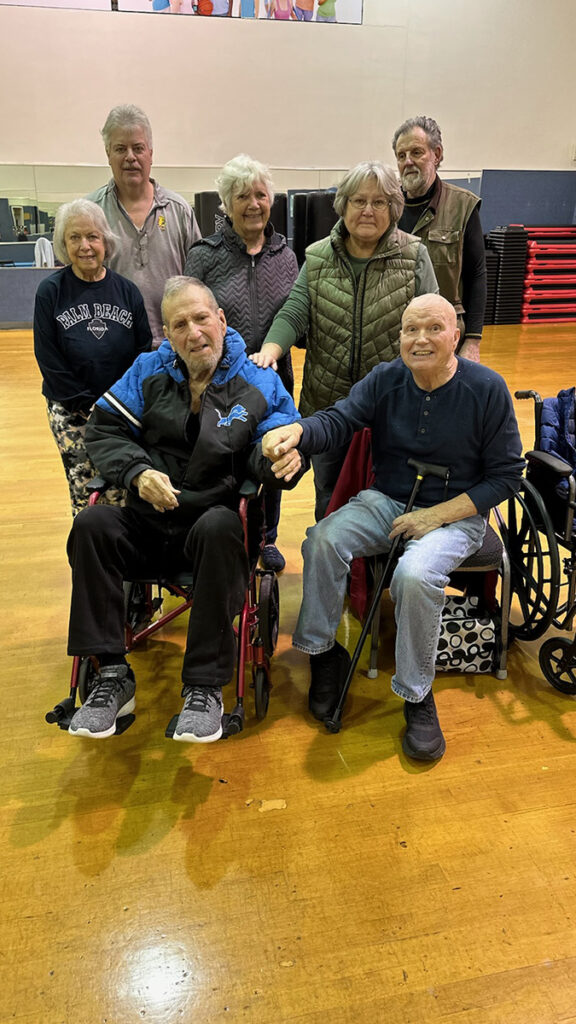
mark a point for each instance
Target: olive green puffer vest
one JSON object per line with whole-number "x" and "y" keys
{"x": 353, "y": 324}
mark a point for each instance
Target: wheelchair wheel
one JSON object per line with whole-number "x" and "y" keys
{"x": 261, "y": 692}
{"x": 558, "y": 663}
{"x": 268, "y": 612}
{"x": 86, "y": 675}
{"x": 528, "y": 536}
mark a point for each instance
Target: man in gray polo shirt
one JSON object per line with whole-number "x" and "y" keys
{"x": 155, "y": 227}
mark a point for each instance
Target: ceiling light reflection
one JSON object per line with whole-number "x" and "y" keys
{"x": 160, "y": 978}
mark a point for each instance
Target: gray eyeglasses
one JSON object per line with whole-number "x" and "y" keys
{"x": 361, "y": 204}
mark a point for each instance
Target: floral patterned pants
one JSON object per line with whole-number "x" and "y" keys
{"x": 69, "y": 430}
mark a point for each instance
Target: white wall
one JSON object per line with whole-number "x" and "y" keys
{"x": 498, "y": 75}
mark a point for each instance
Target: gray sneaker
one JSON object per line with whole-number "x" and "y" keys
{"x": 200, "y": 720}
{"x": 111, "y": 697}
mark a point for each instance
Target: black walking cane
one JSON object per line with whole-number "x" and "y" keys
{"x": 423, "y": 469}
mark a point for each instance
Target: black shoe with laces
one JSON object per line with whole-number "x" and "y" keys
{"x": 423, "y": 739}
{"x": 271, "y": 558}
{"x": 327, "y": 674}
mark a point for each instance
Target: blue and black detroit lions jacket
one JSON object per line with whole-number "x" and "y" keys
{"x": 144, "y": 422}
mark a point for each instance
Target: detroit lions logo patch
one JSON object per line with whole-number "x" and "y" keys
{"x": 237, "y": 412}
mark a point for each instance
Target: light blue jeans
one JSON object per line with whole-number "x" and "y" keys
{"x": 360, "y": 528}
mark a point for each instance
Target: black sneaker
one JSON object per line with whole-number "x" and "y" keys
{"x": 423, "y": 739}
{"x": 327, "y": 674}
{"x": 271, "y": 558}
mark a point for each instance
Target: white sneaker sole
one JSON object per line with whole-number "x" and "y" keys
{"x": 126, "y": 710}
{"x": 190, "y": 737}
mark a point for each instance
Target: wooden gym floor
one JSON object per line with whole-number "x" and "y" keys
{"x": 286, "y": 875}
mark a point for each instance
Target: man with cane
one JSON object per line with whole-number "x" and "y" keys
{"x": 434, "y": 407}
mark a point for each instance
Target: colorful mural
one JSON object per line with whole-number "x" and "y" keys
{"x": 348, "y": 12}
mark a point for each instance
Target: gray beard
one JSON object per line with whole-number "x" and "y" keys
{"x": 414, "y": 184}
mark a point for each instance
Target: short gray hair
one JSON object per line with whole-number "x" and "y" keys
{"x": 81, "y": 208}
{"x": 428, "y": 125}
{"x": 179, "y": 283}
{"x": 240, "y": 173}
{"x": 371, "y": 171}
{"x": 126, "y": 115}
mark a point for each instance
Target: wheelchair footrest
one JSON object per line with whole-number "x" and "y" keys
{"x": 233, "y": 723}
{"x": 124, "y": 723}
{"x": 169, "y": 733}
{"x": 63, "y": 723}
{"x": 61, "y": 714}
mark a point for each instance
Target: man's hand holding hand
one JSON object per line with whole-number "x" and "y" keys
{"x": 279, "y": 446}
{"x": 156, "y": 488}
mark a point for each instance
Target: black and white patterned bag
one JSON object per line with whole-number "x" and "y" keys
{"x": 467, "y": 640}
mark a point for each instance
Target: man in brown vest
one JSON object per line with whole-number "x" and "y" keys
{"x": 447, "y": 220}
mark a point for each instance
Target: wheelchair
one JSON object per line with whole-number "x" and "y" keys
{"x": 537, "y": 527}
{"x": 257, "y": 628}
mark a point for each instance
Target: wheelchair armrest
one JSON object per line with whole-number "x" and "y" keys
{"x": 95, "y": 487}
{"x": 97, "y": 483}
{"x": 551, "y": 462}
{"x": 249, "y": 489}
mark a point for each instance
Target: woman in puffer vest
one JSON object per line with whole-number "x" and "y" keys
{"x": 349, "y": 298}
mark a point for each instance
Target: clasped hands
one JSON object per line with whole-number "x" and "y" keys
{"x": 279, "y": 445}
{"x": 156, "y": 488}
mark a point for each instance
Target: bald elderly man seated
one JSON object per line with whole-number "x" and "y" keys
{"x": 436, "y": 407}
{"x": 180, "y": 431}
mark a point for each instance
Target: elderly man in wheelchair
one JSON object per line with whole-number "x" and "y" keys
{"x": 455, "y": 418}
{"x": 181, "y": 431}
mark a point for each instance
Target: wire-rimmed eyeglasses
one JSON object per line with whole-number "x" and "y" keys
{"x": 362, "y": 204}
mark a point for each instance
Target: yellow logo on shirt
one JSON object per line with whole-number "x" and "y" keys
{"x": 162, "y": 222}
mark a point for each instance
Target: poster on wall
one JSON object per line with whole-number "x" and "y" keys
{"x": 82, "y": 5}
{"x": 347, "y": 12}
{"x": 344, "y": 12}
